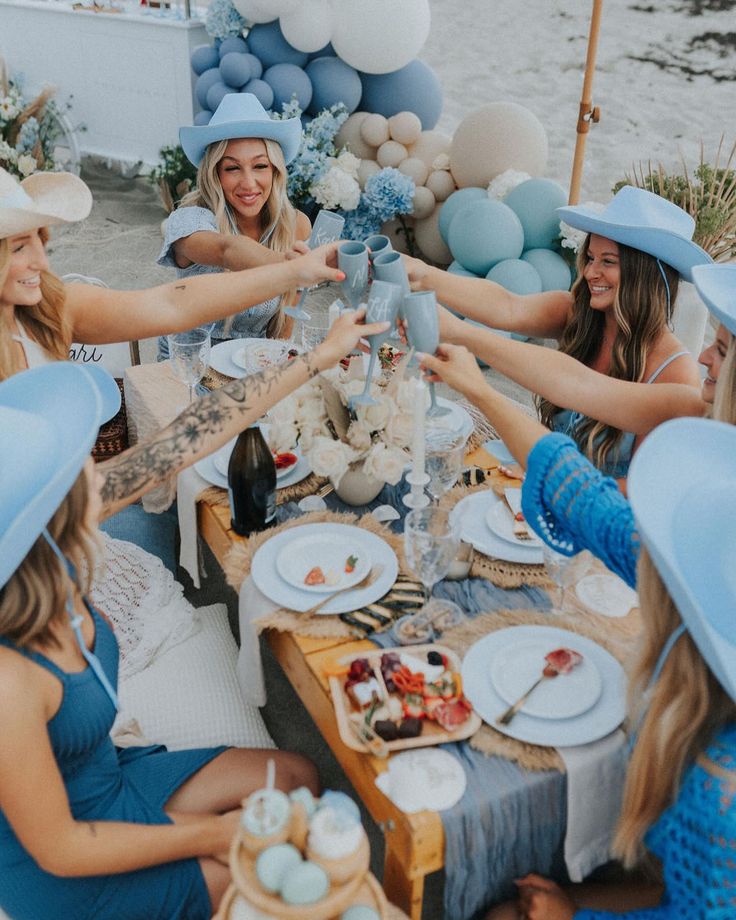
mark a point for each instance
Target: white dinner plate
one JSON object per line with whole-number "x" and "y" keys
{"x": 472, "y": 511}
{"x": 514, "y": 670}
{"x": 210, "y": 468}
{"x": 498, "y": 449}
{"x": 221, "y": 459}
{"x": 457, "y": 421}
{"x": 501, "y": 523}
{"x": 331, "y": 553}
{"x": 221, "y": 356}
{"x": 269, "y": 582}
{"x": 607, "y": 595}
{"x": 605, "y": 715}
{"x": 256, "y": 355}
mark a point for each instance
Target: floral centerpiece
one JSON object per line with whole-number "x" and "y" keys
{"x": 376, "y": 438}
{"x": 29, "y": 129}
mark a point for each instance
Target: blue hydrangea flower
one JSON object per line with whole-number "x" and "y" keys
{"x": 27, "y": 136}
{"x": 360, "y": 223}
{"x": 223, "y": 20}
{"x": 388, "y": 193}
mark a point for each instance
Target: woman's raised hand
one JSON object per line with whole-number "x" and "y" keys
{"x": 416, "y": 271}
{"x": 345, "y": 333}
{"x": 455, "y": 366}
{"x": 317, "y": 265}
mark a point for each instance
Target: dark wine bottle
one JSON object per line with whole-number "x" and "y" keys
{"x": 251, "y": 483}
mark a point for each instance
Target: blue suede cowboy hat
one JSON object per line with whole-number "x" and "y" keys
{"x": 241, "y": 115}
{"x": 716, "y": 284}
{"x": 49, "y": 417}
{"x": 689, "y": 529}
{"x": 645, "y": 221}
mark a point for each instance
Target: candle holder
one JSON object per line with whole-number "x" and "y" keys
{"x": 416, "y": 497}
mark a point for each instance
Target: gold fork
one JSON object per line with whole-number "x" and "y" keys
{"x": 372, "y": 576}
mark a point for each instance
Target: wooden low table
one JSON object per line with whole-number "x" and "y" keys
{"x": 415, "y": 844}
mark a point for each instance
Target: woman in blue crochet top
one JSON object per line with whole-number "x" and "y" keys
{"x": 613, "y": 323}
{"x": 682, "y": 776}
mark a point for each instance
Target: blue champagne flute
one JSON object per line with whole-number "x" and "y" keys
{"x": 423, "y": 333}
{"x": 378, "y": 244}
{"x": 327, "y": 228}
{"x": 352, "y": 260}
{"x": 389, "y": 266}
{"x": 383, "y": 305}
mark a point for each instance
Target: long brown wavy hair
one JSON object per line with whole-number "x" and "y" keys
{"x": 33, "y": 601}
{"x": 45, "y": 322}
{"x": 686, "y": 709}
{"x": 642, "y": 312}
{"x": 724, "y": 405}
{"x": 277, "y": 217}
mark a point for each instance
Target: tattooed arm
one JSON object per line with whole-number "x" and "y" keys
{"x": 214, "y": 419}
{"x": 98, "y": 315}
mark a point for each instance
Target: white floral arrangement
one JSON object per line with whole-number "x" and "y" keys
{"x": 338, "y": 187}
{"x": 503, "y": 183}
{"x": 29, "y": 129}
{"x": 573, "y": 239}
{"x": 332, "y": 438}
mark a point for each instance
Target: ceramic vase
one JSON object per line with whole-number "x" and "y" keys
{"x": 356, "y": 488}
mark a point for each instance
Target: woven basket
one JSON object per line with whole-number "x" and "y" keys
{"x": 113, "y": 435}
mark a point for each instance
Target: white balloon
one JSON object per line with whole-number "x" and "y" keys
{"x": 255, "y": 10}
{"x": 380, "y": 36}
{"x": 308, "y": 26}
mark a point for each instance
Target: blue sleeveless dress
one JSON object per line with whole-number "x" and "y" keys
{"x": 104, "y": 783}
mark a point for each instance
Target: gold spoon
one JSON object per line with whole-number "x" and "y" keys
{"x": 373, "y": 575}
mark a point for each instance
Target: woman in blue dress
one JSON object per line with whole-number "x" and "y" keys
{"x": 669, "y": 543}
{"x": 86, "y": 830}
{"x": 239, "y": 214}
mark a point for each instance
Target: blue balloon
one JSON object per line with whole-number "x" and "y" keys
{"x": 554, "y": 271}
{"x": 454, "y": 203}
{"x": 235, "y": 69}
{"x": 204, "y": 82}
{"x": 455, "y": 268}
{"x": 414, "y": 88}
{"x": 261, "y": 90}
{"x": 204, "y": 57}
{"x": 287, "y": 80}
{"x": 267, "y": 42}
{"x": 215, "y": 94}
{"x": 333, "y": 81}
{"x": 327, "y": 51}
{"x": 484, "y": 233}
{"x": 516, "y": 276}
{"x": 255, "y": 66}
{"x": 534, "y": 203}
{"x": 232, "y": 44}
{"x": 203, "y": 117}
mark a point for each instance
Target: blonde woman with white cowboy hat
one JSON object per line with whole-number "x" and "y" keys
{"x": 239, "y": 214}
{"x": 87, "y": 830}
{"x": 614, "y": 322}
{"x": 40, "y": 316}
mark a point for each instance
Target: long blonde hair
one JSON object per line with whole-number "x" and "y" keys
{"x": 45, "y": 322}
{"x": 277, "y": 217}
{"x": 642, "y": 310}
{"x": 686, "y": 708}
{"x": 33, "y": 601}
{"x": 724, "y": 405}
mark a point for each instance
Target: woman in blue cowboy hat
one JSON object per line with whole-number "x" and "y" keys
{"x": 87, "y": 830}
{"x": 239, "y": 214}
{"x": 614, "y": 322}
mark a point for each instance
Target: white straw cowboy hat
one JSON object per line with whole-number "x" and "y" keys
{"x": 716, "y": 284}
{"x": 41, "y": 200}
{"x": 49, "y": 417}
{"x": 241, "y": 115}
{"x": 645, "y": 221}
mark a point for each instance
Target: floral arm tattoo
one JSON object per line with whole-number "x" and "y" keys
{"x": 227, "y": 410}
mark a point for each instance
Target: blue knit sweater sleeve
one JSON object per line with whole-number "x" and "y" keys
{"x": 573, "y": 506}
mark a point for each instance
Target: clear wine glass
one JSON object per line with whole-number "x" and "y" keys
{"x": 383, "y": 305}
{"x": 423, "y": 334}
{"x": 189, "y": 353}
{"x": 327, "y": 228}
{"x": 431, "y": 542}
{"x": 443, "y": 461}
{"x": 558, "y": 568}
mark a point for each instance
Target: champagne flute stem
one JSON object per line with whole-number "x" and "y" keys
{"x": 371, "y": 365}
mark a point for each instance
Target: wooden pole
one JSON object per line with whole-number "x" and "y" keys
{"x": 587, "y": 113}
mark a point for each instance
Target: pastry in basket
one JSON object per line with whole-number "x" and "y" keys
{"x": 335, "y": 837}
{"x": 266, "y": 819}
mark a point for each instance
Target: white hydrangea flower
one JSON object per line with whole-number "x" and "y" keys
{"x": 7, "y": 153}
{"x": 504, "y": 182}
{"x": 337, "y": 189}
{"x": 572, "y": 238}
{"x": 348, "y": 163}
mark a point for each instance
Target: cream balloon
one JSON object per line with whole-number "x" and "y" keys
{"x": 428, "y": 239}
{"x": 494, "y": 138}
{"x": 416, "y": 168}
{"x": 405, "y": 127}
{"x": 308, "y": 26}
{"x": 374, "y": 130}
{"x": 349, "y": 136}
{"x": 440, "y": 183}
{"x": 367, "y": 169}
{"x": 394, "y": 230}
{"x": 424, "y": 202}
{"x": 380, "y": 36}
{"x": 390, "y": 154}
{"x": 430, "y": 145}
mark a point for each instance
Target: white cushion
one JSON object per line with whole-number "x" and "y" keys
{"x": 189, "y": 696}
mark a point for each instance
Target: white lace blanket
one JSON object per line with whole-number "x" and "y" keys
{"x": 144, "y": 601}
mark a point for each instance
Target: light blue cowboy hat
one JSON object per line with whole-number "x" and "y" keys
{"x": 645, "y": 221}
{"x": 108, "y": 389}
{"x": 241, "y": 115}
{"x": 49, "y": 417}
{"x": 689, "y": 529}
{"x": 716, "y": 284}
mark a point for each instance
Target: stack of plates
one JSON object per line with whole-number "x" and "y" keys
{"x": 570, "y": 709}
{"x": 214, "y": 467}
{"x": 241, "y": 357}
{"x": 487, "y": 523}
{"x": 281, "y": 566}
